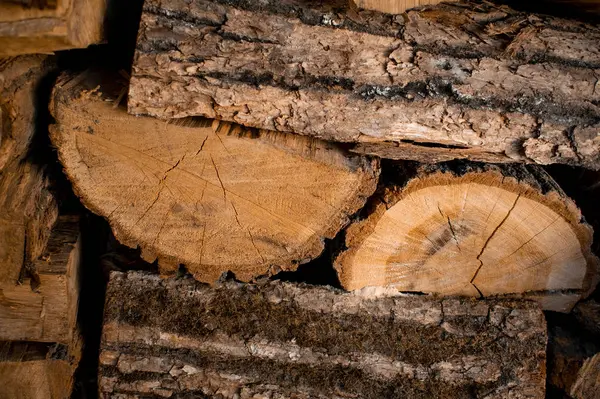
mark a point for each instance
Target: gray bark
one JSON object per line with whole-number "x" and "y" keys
{"x": 177, "y": 337}
{"x": 464, "y": 80}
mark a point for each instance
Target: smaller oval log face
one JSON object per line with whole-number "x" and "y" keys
{"x": 212, "y": 196}
{"x": 479, "y": 234}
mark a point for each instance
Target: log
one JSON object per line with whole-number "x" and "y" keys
{"x": 20, "y": 78}
{"x": 43, "y": 307}
{"x": 34, "y": 371}
{"x": 587, "y": 385}
{"x": 28, "y": 211}
{"x": 497, "y": 85}
{"x": 391, "y": 6}
{"x": 40, "y": 343}
{"x": 473, "y": 229}
{"x": 211, "y": 196}
{"x": 179, "y": 338}
{"x": 567, "y": 351}
{"x": 56, "y": 25}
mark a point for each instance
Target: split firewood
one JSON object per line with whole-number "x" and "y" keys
{"x": 40, "y": 344}
{"x": 44, "y": 26}
{"x": 179, "y": 338}
{"x": 34, "y": 371}
{"x": 462, "y": 80}
{"x": 473, "y": 229}
{"x": 19, "y": 81}
{"x": 27, "y": 213}
{"x": 587, "y": 385}
{"x": 391, "y": 6}
{"x": 211, "y": 196}
{"x": 43, "y": 307}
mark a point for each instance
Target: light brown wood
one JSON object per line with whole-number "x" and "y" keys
{"x": 587, "y": 385}
{"x": 27, "y": 212}
{"x": 497, "y": 84}
{"x": 43, "y": 307}
{"x": 392, "y": 6}
{"x": 465, "y": 229}
{"x": 179, "y": 338}
{"x": 30, "y": 370}
{"x": 211, "y": 196}
{"x": 66, "y": 24}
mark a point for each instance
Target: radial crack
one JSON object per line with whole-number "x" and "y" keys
{"x": 485, "y": 244}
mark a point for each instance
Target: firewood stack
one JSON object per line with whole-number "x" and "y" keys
{"x": 401, "y": 146}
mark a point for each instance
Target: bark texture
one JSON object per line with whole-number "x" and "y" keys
{"x": 212, "y": 196}
{"x": 58, "y": 25}
{"x": 587, "y": 385}
{"x": 473, "y": 229}
{"x": 177, "y": 338}
{"x": 468, "y": 80}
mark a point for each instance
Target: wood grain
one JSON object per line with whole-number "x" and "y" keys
{"x": 468, "y": 229}
{"x": 392, "y": 6}
{"x": 66, "y": 24}
{"x": 211, "y": 196}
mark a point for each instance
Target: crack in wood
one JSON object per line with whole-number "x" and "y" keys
{"x": 485, "y": 244}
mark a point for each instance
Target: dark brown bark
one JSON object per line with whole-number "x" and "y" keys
{"x": 177, "y": 337}
{"x": 481, "y": 82}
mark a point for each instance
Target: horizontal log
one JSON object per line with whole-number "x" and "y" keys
{"x": 213, "y": 196}
{"x": 43, "y": 307}
{"x": 35, "y": 371}
{"x": 497, "y": 84}
{"x": 50, "y": 26}
{"x": 177, "y": 337}
{"x": 462, "y": 228}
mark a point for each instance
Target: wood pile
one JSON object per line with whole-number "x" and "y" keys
{"x": 406, "y": 153}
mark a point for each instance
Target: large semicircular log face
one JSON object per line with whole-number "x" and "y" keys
{"x": 212, "y": 196}
{"x": 468, "y": 238}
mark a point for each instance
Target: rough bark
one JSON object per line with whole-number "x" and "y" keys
{"x": 177, "y": 338}
{"x": 19, "y": 81}
{"x": 27, "y": 212}
{"x": 587, "y": 385}
{"x": 35, "y": 371}
{"x": 43, "y": 307}
{"x": 480, "y": 81}
{"x": 211, "y": 196}
{"x": 477, "y": 230}
{"x": 66, "y": 24}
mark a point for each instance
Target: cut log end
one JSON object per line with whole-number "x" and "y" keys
{"x": 211, "y": 196}
{"x": 496, "y": 231}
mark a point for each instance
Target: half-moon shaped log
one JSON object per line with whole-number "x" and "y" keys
{"x": 212, "y": 196}
{"x": 476, "y": 230}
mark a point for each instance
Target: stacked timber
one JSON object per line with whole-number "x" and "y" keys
{"x": 44, "y": 26}
{"x": 212, "y": 196}
{"x": 39, "y": 341}
{"x": 179, "y": 338}
{"x": 39, "y": 252}
{"x": 461, "y": 80}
